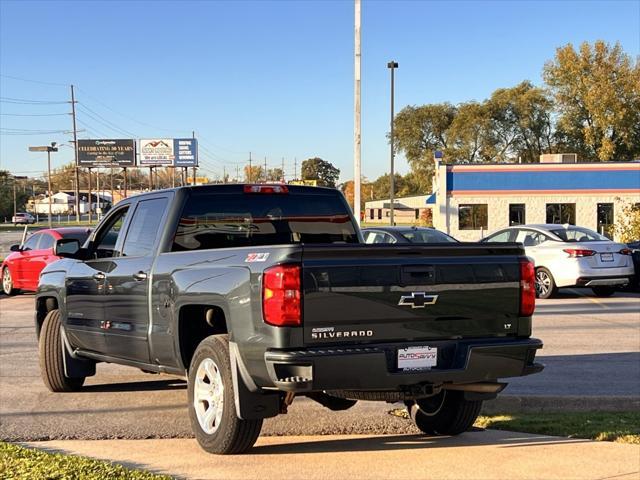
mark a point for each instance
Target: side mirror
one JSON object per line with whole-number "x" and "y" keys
{"x": 15, "y": 248}
{"x": 67, "y": 247}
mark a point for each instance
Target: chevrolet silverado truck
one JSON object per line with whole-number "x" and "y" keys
{"x": 257, "y": 294}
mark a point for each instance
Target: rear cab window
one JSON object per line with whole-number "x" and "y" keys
{"x": 230, "y": 218}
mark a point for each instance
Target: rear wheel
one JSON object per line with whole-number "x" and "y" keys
{"x": 212, "y": 404}
{"x": 7, "y": 282}
{"x": 545, "y": 285}
{"x": 603, "y": 291}
{"x": 52, "y": 357}
{"x": 447, "y": 413}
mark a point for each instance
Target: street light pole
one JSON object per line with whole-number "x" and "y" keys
{"x": 47, "y": 149}
{"x": 392, "y": 66}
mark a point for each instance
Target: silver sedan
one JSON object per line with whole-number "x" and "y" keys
{"x": 570, "y": 256}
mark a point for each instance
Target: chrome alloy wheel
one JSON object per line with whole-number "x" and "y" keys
{"x": 7, "y": 282}
{"x": 208, "y": 396}
{"x": 543, "y": 283}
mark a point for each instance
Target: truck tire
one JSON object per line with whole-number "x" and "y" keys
{"x": 603, "y": 291}
{"x": 545, "y": 284}
{"x": 52, "y": 357}
{"x": 7, "y": 282}
{"x": 448, "y": 413}
{"x": 212, "y": 403}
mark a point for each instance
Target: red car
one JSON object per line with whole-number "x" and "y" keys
{"x": 21, "y": 269}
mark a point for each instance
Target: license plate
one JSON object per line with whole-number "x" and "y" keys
{"x": 606, "y": 257}
{"x": 417, "y": 358}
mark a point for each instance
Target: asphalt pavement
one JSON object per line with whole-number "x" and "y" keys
{"x": 592, "y": 349}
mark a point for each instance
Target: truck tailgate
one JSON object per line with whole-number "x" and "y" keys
{"x": 379, "y": 293}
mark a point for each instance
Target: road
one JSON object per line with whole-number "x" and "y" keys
{"x": 592, "y": 347}
{"x": 474, "y": 455}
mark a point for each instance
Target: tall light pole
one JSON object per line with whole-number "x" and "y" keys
{"x": 357, "y": 138}
{"x": 392, "y": 66}
{"x": 47, "y": 149}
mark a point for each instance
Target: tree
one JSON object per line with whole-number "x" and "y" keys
{"x": 366, "y": 192}
{"x": 6, "y": 195}
{"x": 469, "y": 133}
{"x": 420, "y": 131}
{"x": 321, "y": 170}
{"x": 597, "y": 93}
{"x": 253, "y": 174}
{"x": 275, "y": 175}
{"x": 627, "y": 227}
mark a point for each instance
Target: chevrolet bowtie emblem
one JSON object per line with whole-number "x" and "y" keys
{"x": 418, "y": 299}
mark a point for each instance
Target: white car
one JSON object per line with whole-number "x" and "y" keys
{"x": 570, "y": 256}
{"x": 23, "y": 217}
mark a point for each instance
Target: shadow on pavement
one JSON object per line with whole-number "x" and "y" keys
{"x": 408, "y": 442}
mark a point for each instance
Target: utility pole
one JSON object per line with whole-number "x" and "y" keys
{"x": 75, "y": 151}
{"x": 295, "y": 168}
{"x": 250, "y": 167}
{"x": 98, "y": 198}
{"x": 193, "y": 135}
{"x": 89, "y": 192}
{"x": 392, "y": 66}
{"x": 266, "y": 178}
{"x": 357, "y": 139}
{"x": 283, "y": 177}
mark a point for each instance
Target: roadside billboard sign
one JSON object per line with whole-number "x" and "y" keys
{"x": 186, "y": 152}
{"x": 107, "y": 153}
{"x": 156, "y": 152}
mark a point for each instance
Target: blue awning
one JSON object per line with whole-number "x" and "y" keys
{"x": 431, "y": 200}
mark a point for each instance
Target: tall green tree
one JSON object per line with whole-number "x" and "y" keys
{"x": 7, "y": 183}
{"x": 321, "y": 170}
{"x": 597, "y": 94}
{"x": 418, "y": 132}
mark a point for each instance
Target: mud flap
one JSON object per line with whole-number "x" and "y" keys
{"x": 251, "y": 404}
{"x": 75, "y": 367}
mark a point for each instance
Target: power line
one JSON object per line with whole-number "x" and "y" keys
{"x": 100, "y": 119}
{"x": 33, "y": 114}
{"x": 23, "y": 131}
{"x": 27, "y": 101}
{"x": 34, "y": 81}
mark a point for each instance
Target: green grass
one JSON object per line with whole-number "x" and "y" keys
{"x": 17, "y": 462}
{"x": 623, "y": 427}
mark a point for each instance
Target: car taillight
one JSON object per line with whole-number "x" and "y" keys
{"x": 625, "y": 251}
{"x": 281, "y": 296}
{"x": 579, "y": 252}
{"x": 266, "y": 189}
{"x": 527, "y": 287}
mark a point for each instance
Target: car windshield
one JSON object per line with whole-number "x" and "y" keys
{"x": 578, "y": 234}
{"x": 427, "y": 236}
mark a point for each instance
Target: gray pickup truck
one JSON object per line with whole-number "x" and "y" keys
{"x": 259, "y": 293}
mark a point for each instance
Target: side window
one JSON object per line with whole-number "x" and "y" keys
{"x": 144, "y": 227}
{"x": 529, "y": 238}
{"x": 32, "y": 242}
{"x": 500, "y": 237}
{"x": 46, "y": 242}
{"x": 386, "y": 238}
{"x": 107, "y": 237}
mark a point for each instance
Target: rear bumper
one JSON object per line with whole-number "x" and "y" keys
{"x": 374, "y": 367}
{"x": 604, "y": 281}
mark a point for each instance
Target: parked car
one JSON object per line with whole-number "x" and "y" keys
{"x": 21, "y": 269}
{"x": 635, "y": 255}
{"x": 571, "y": 256}
{"x": 405, "y": 235}
{"x": 262, "y": 293}
{"x": 24, "y": 218}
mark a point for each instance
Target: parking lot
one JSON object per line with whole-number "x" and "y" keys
{"x": 592, "y": 350}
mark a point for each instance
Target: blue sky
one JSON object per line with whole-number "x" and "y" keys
{"x": 273, "y": 78}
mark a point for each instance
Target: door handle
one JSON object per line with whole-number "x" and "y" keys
{"x": 99, "y": 276}
{"x": 140, "y": 276}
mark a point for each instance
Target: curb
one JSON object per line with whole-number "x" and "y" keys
{"x": 565, "y": 403}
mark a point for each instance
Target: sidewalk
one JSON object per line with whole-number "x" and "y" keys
{"x": 488, "y": 454}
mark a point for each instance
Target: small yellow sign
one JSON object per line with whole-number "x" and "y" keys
{"x": 308, "y": 183}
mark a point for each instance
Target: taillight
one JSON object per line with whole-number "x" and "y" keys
{"x": 579, "y": 252}
{"x": 527, "y": 287}
{"x": 266, "y": 189}
{"x": 281, "y": 304}
{"x": 625, "y": 251}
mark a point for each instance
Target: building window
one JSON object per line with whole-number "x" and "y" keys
{"x": 605, "y": 219}
{"x": 417, "y": 214}
{"x": 371, "y": 213}
{"x": 561, "y": 213}
{"x": 516, "y": 214}
{"x": 473, "y": 217}
{"x": 379, "y": 214}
